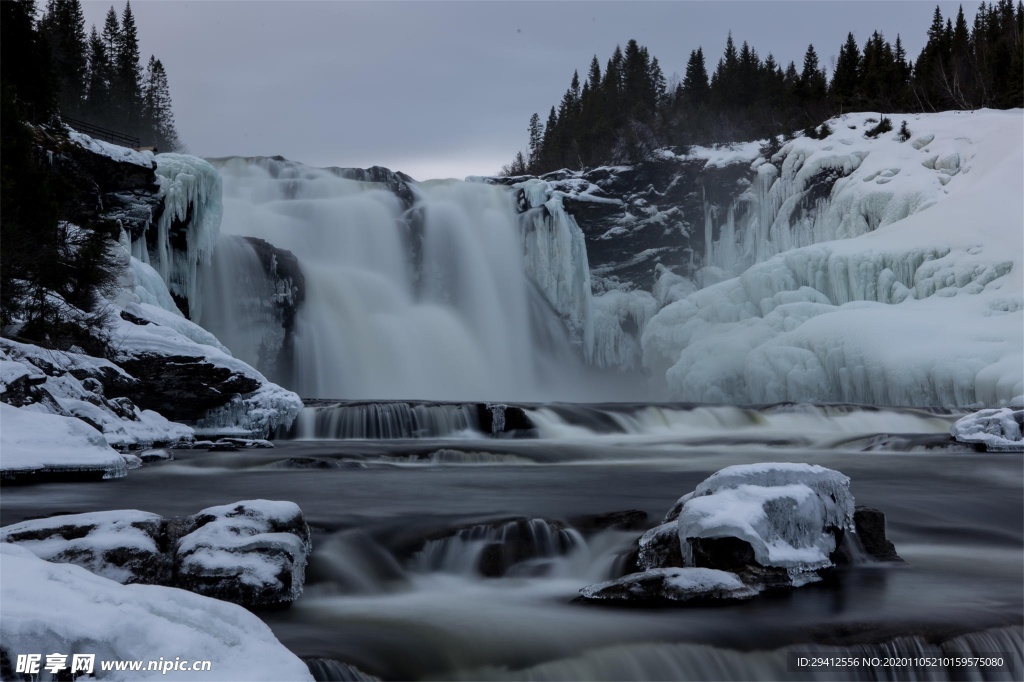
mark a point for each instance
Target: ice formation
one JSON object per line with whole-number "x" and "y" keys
{"x": 786, "y": 512}
{"x": 917, "y": 300}
{"x": 998, "y": 429}
{"x": 49, "y": 607}
{"x": 188, "y": 227}
{"x": 555, "y": 256}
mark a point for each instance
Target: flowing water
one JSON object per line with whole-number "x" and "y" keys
{"x": 456, "y": 555}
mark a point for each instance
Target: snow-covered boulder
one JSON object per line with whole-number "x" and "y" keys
{"x": 669, "y": 585}
{"x": 252, "y": 553}
{"x": 126, "y": 545}
{"x": 774, "y": 515}
{"x": 999, "y": 430}
{"x": 47, "y": 607}
{"x": 751, "y": 528}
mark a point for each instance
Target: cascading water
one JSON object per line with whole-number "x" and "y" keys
{"x": 423, "y": 296}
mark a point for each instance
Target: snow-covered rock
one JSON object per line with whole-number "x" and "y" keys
{"x": 90, "y": 389}
{"x": 999, "y": 430}
{"x": 182, "y": 375}
{"x": 669, "y": 585}
{"x": 252, "y": 552}
{"x": 125, "y": 545}
{"x": 47, "y": 607}
{"x": 792, "y": 516}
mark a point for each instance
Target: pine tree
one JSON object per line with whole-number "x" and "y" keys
{"x": 97, "y": 91}
{"x": 163, "y": 114}
{"x": 127, "y": 74}
{"x": 695, "y": 82}
{"x": 536, "y": 131}
{"x": 63, "y": 26}
{"x": 111, "y": 33}
{"x": 845, "y": 80}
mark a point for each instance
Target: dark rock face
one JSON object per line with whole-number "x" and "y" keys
{"x": 659, "y": 548}
{"x": 651, "y": 213}
{"x": 398, "y": 183}
{"x": 287, "y": 288}
{"x": 497, "y": 419}
{"x": 182, "y": 388}
{"x": 106, "y": 189}
{"x": 630, "y": 519}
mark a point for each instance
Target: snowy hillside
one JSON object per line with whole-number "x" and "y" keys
{"x": 900, "y": 285}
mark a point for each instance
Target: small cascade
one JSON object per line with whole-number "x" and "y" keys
{"x": 494, "y": 550}
{"x": 329, "y": 670}
{"x": 791, "y": 422}
{"x": 386, "y": 420}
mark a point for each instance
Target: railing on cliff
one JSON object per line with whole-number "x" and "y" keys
{"x": 100, "y": 133}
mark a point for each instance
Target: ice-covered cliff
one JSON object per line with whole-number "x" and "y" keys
{"x": 867, "y": 270}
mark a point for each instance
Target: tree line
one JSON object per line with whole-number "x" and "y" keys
{"x": 56, "y": 264}
{"x": 99, "y": 78}
{"x": 621, "y": 114}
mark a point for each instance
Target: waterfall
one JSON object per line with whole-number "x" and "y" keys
{"x": 420, "y": 293}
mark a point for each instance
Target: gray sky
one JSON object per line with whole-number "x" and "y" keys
{"x": 443, "y": 89}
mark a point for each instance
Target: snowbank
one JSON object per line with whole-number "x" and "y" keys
{"x": 917, "y": 301}
{"x": 32, "y": 441}
{"x": 111, "y": 151}
{"x": 60, "y": 608}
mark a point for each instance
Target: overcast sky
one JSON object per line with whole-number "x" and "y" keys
{"x": 443, "y": 89}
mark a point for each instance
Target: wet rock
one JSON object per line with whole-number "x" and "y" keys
{"x": 659, "y": 548}
{"x": 496, "y": 419}
{"x": 314, "y": 463}
{"x": 870, "y": 526}
{"x": 630, "y": 519}
{"x": 669, "y": 586}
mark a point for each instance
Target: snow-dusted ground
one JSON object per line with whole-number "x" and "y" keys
{"x": 48, "y": 608}
{"x": 902, "y": 287}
